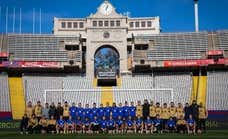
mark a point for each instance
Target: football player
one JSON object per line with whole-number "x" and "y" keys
{"x": 78, "y": 125}
{"x": 86, "y": 126}
{"x": 73, "y": 110}
{"x": 52, "y": 125}
{"x": 70, "y": 125}
{"x": 181, "y": 125}
{"x": 148, "y": 123}
{"x": 158, "y": 124}
{"x": 130, "y": 125}
{"x": 111, "y": 125}
{"x": 103, "y": 125}
{"x": 191, "y": 125}
{"x": 60, "y": 126}
{"x": 139, "y": 109}
{"x": 120, "y": 125}
{"x": 171, "y": 125}
{"x": 139, "y": 125}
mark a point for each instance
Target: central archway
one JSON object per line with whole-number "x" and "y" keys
{"x": 106, "y": 59}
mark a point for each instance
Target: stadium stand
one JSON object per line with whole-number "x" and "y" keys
{"x": 180, "y": 82}
{"x": 171, "y": 86}
{"x": 172, "y": 46}
{"x": 77, "y": 82}
{"x": 142, "y": 81}
{"x": 35, "y": 86}
{"x": 85, "y": 97}
{"x": 133, "y": 95}
{"x": 39, "y": 48}
{"x": 222, "y": 40}
{"x": 217, "y": 91}
{"x": 3, "y": 43}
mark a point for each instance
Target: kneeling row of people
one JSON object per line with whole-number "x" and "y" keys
{"x": 121, "y": 125}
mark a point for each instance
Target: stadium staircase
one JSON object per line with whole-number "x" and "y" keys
{"x": 106, "y": 95}
{"x": 199, "y": 89}
{"x": 17, "y": 97}
{"x": 95, "y": 82}
{"x": 202, "y": 90}
{"x": 119, "y": 82}
{"x": 107, "y": 92}
{"x": 195, "y": 80}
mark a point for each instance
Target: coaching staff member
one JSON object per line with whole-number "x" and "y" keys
{"x": 146, "y": 109}
{"x": 194, "y": 110}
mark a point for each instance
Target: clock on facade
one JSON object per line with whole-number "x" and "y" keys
{"x": 106, "y": 8}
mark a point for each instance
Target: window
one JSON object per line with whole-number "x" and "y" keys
{"x": 117, "y": 23}
{"x": 143, "y": 24}
{"x": 81, "y": 25}
{"x": 63, "y": 24}
{"x": 149, "y": 24}
{"x": 136, "y": 24}
{"x": 112, "y": 23}
{"x": 131, "y": 24}
{"x": 106, "y": 23}
{"x": 94, "y": 23}
{"x": 69, "y": 24}
{"x": 100, "y": 23}
{"x": 75, "y": 24}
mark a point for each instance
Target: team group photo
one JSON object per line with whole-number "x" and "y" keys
{"x": 146, "y": 118}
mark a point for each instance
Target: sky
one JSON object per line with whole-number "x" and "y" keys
{"x": 175, "y": 15}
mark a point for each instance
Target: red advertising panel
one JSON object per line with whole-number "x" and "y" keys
{"x": 215, "y": 52}
{"x": 226, "y": 61}
{"x": 41, "y": 64}
{"x": 25, "y": 64}
{"x": 223, "y": 61}
{"x": 187, "y": 63}
{"x": 3, "y": 54}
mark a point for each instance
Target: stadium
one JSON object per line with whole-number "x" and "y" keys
{"x": 111, "y": 62}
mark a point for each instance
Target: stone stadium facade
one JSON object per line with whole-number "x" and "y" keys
{"x": 106, "y": 28}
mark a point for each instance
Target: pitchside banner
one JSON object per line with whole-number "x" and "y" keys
{"x": 212, "y": 124}
{"x": 9, "y": 125}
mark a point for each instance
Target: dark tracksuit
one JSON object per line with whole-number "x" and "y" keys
{"x": 24, "y": 124}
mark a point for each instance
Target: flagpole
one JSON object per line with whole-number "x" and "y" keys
{"x": 40, "y": 20}
{"x": 20, "y": 22}
{"x": 6, "y": 20}
{"x": 13, "y": 20}
{"x": 1, "y": 17}
{"x": 33, "y": 24}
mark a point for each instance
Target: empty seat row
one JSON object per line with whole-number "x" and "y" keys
{"x": 217, "y": 91}
{"x": 168, "y": 46}
{"x": 4, "y": 93}
{"x": 38, "y": 47}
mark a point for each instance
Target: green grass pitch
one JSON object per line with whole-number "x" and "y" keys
{"x": 215, "y": 134}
